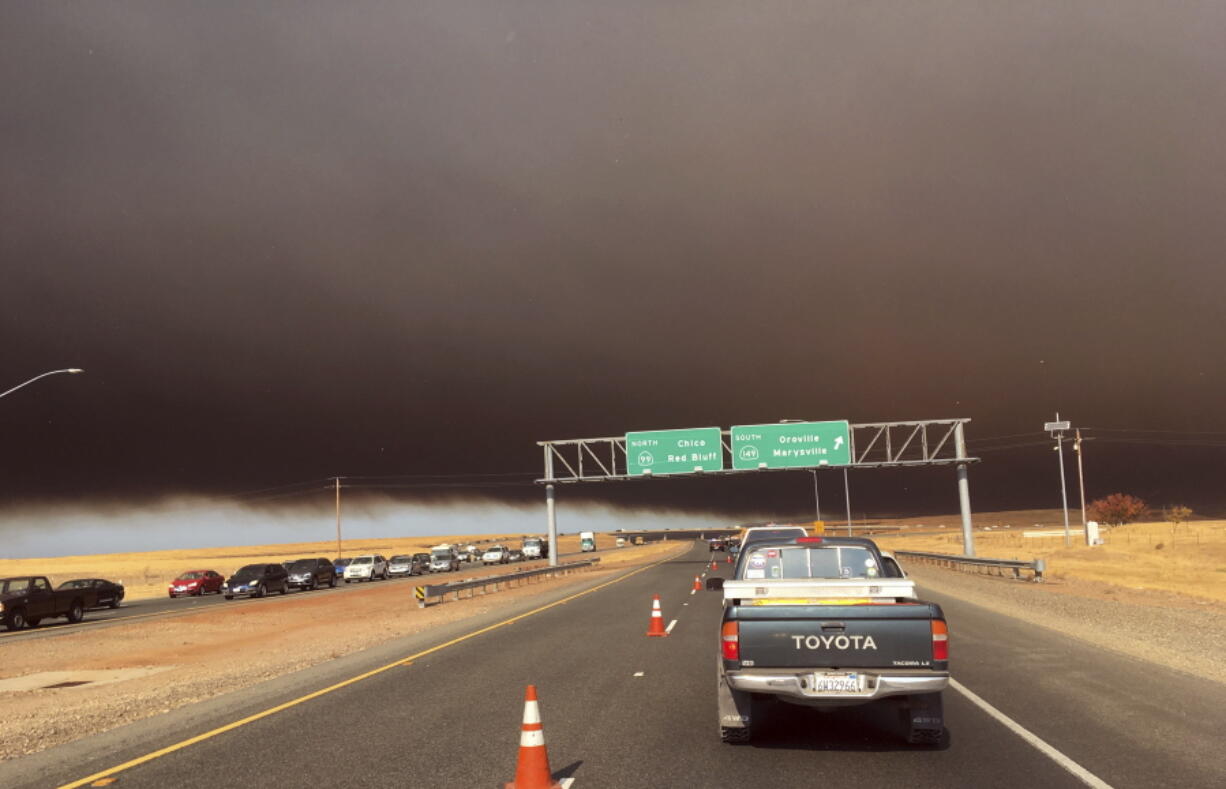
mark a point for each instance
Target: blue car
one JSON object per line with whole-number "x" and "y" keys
{"x": 339, "y": 565}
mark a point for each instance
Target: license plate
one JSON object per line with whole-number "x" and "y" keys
{"x": 836, "y": 683}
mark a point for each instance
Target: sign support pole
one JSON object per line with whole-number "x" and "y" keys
{"x": 551, "y": 516}
{"x": 964, "y": 494}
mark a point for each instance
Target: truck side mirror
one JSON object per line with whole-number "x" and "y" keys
{"x": 715, "y": 584}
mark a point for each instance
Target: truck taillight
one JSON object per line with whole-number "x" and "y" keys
{"x": 940, "y": 640}
{"x": 730, "y": 640}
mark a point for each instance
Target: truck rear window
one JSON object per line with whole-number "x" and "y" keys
{"x": 828, "y": 561}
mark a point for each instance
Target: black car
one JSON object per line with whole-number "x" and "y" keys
{"x": 312, "y": 573}
{"x": 108, "y": 593}
{"x": 256, "y": 580}
{"x": 422, "y": 559}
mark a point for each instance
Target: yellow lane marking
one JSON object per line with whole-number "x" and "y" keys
{"x": 343, "y": 684}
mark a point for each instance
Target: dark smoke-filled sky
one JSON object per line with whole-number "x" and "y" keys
{"x": 295, "y": 240}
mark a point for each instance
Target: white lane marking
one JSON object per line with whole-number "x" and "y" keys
{"x": 670, "y": 627}
{"x": 684, "y": 604}
{"x": 692, "y": 591}
{"x": 638, "y": 673}
{"x": 1084, "y": 775}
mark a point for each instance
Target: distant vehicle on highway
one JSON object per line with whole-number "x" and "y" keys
{"x": 312, "y": 574}
{"x": 515, "y": 555}
{"x": 256, "y": 580}
{"x": 27, "y": 600}
{"x": 535, "y": 548}
{"x": 366, "y": 568}
{"x": 404, "y": 564}
{"x": 495, "y": 554}
{"x": 587, "y": 541}
{"x": 196, "y": 582}
{"x": 760, "y": 533}
{"x": 340, "y": 565}
{"x": 890, "y": 566}
{"x": 424, "y": 560}
{"x": 717, "y": 544}
{"x": 444, "y": 559}
{"x": 108, "y": 593}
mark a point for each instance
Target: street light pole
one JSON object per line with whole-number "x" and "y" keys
{"x": 817, "y": 501}
{"x": 69, "y": 370}
{"x": 847, "y": 498}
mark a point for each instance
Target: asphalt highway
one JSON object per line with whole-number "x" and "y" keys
{"x": 443, "y": 709}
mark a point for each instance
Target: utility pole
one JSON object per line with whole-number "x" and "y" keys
{"x": 1056, "y": 429}
{"x": 1080, "y": 472}
{"x": 338, "y": 517}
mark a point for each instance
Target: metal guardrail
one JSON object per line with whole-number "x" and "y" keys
{"x": 425, "y": 593}
{"x": 1036, "y": 567}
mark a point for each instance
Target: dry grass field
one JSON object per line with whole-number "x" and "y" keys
{"x": 147, "y": 574}
{"x": 1189, "y": 559}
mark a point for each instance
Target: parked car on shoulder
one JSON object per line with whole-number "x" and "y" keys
{"x": 404, "y": 565}
{"x": 256, "y": 580}
{"x": 444, "y": 559}
{"x": 196, "y": 582}
{"x": 515, "y": 555}
{"x": 27, "y": 600}
{"x": 312, "y": 574}
{"x": 366, "y": 568}
{"x": 108, "y": 593}
{"x": 424, "y": 560}
{"x": 495, "y": 554}
{"x": 339, "y": 565}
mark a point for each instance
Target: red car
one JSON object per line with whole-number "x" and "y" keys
{"x": 196, "y": 582}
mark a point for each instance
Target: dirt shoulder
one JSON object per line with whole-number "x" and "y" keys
{"x": 145, "y": 668}
{"x": 1181, "y": 632}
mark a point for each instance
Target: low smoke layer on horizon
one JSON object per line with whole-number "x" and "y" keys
{"x": 294, "y": 241}
{"x": 185, "y": 524}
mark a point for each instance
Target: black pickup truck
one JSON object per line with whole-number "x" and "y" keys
{"x": 828, "y": 622}
{"x": 27, "y": 600}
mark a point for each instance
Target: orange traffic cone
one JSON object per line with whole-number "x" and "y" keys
{"x": 532, "y": 771}
{"x": 657, "y": 618}
{"x": 713, "y": 566}
{"x": 697, "y": 584}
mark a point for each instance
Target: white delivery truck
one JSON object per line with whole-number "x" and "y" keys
{"x": 587, "y": 541}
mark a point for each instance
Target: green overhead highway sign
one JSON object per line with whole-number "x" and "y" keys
{"x": 674, "y": 451}
{"x": 791, "y": 445}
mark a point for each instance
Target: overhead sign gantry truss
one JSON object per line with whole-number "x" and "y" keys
{"x": 933, "y": 442}
{"x": 756, "y": 448}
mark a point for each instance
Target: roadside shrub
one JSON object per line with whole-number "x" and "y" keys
{"x": 1176, "y": 514}
{"x": 1118, "y": 509}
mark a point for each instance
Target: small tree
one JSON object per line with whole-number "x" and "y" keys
{"x": 1118, "y": 509}
{"x": 1176, "y": 515}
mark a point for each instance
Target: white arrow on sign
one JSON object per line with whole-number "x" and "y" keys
{"x": 838, "y": 441}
